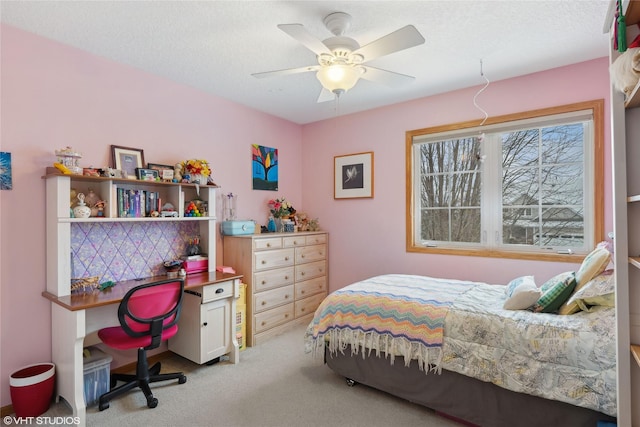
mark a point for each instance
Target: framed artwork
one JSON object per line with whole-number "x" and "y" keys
{"x": 147, "y": 174}
{"x": 165, "y": 172}
{"x": 127, "y": 159}
{"x": 353, "y": 176}
{"x": 264, "y": 167}
{"x": 6, "y": 180}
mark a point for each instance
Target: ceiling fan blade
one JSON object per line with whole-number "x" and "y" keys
{"x": 401, "y": 39}
{"x": 326, "y": 95}
{"x": 311, "y": 42}
{"x": 286, "y": 72}
{"x": 386, "y": 77}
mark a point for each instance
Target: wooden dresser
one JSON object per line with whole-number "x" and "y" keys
{"x": 286, "y": 277}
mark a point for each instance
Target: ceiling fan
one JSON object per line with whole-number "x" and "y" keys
{"x": 341, "y": 59}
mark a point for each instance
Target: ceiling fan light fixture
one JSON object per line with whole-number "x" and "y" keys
{"x": 338, "y": 78}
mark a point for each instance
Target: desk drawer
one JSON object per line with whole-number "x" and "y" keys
{"x": 311, "y": 253}
{"x": 273, "y": 298}
{"x": 310, "y": 270}
{"x": 271, "y": 318}
{"x": 315, "y": 239}
{"x": 217, "y": 291}
{"x": 273, "y": 259}
{"x": 294, "y": 241}
{"x": 273, "y": 278}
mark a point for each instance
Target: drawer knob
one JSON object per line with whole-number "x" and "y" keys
{"x": 205, "y": 324}
{"x": 268, "y": 245}
{"x": 264, "y": 262}
{"x": 286, "y": 315}
{"x": 219, "y": 290}
{"x": 264, "y": 323}
{"x": 295, "y": 242}
{"x": 264, "y": 303}
{"x": 302, "y": 309}
{"x": 264, "y": 282}
{"x": 286, "y": 258}
{"x": 286, "y": 277}
{"x": 302, "y": 292}
{"x": 286, "y": 297}
{"x": 302, "y": 256}
{"x": 302, "y": 273}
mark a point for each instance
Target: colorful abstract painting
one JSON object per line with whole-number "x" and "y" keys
{"x": 264, "y": 165}
{"x": 6, "y": 182}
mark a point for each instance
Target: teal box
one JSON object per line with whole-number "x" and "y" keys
{"x": 238, "y": 228}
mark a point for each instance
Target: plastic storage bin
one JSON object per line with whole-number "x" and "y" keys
{"x": 97, "y": 369}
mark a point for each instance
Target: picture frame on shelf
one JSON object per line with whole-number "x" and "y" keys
{"x": 165, "y": 172}
{"x": 147, "y": 174}
{"x": 353, "y": 176}
{"x": 127, "y": 160}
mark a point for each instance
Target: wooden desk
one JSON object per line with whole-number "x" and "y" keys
{"x": 74, "y": 317}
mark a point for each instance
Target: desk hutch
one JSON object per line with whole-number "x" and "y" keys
{"x": 207, "y": 323}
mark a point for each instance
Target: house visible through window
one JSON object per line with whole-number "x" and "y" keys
{"x": 525, "y": 184}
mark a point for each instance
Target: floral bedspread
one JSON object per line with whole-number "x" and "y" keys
{"x": 564, "y": 358}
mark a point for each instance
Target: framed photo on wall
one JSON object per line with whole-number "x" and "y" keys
{"x": 127, "y": 159}
{"x": 353, "y": 176}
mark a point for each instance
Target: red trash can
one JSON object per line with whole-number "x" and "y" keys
{"x": 32, "y": 389}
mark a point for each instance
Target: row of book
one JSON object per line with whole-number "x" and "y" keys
{"x": 137, "y": 203}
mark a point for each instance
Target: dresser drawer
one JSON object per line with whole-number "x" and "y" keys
{"x": 275, "y": 297}
{"x": 294, "y": 241}
{"x": 271, "y": 318}
{"x": 308, "y": 305}
{"x": 217, "y": 291}
{"x": 310, "y": 253}
{"x": 274, "y": 259}
{"x": 315, "y": 239}
{"x": 310, "y": 287}
{"x": 310, "y": 270}
{"x": 273, "y": 278}
{"x": 268, "y": 243}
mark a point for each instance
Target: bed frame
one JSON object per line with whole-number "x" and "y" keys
{"x": 474, "y": 401}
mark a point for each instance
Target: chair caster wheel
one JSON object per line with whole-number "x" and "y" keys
{"x": 152, "y": 402}
{"x": 182, "y": 379}
{"x": 103, "y": 406}
{"x": 350, "y": 382}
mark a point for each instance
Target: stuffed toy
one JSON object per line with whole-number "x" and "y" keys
{"x": 625, "y": 70}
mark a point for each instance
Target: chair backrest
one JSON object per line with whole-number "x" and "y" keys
{"x": 150, "y": 308}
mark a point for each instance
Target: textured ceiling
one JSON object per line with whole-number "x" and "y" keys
{"x": 215, "y": 46}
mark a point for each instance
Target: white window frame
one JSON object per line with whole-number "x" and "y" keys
{"x": 491, "y": 204}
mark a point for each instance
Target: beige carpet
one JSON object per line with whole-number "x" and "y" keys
{"x": 275, "y": 384}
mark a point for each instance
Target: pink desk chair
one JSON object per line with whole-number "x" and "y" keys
{"x": 148, "y": 315}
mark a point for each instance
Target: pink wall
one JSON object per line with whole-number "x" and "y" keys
{"x": 368, "y": 235}
{"x": 54, "y": 95}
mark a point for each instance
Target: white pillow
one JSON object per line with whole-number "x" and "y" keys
{"x": 522, "y": 293}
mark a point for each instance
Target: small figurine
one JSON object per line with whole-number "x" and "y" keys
{"x": 177, "y": 172}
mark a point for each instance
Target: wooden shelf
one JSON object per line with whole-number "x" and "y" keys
{"x": 635, "y": 350}
{"x": 632, "y": 14}
{"x": 635, "y": 261}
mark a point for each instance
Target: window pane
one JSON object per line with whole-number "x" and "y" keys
{"x": 562, "y": 226}
{"x": 520, "y": 225}
{"x": 450, "y": 178}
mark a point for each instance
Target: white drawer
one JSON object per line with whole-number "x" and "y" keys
{"x": 308, "y": 305}
{"x": 310, "y": 270}
{"x": 271, "y": 318}
{"x": 273, "y": 298}
{"x": 310, "y": 253}
{"x": 217, "y": 291}
{"x": 315, "y": 239}
{"x": 310, "y": 287}
{"x": 273, "y": 259}
{"x": 273, "y": 278}
{"x": 268, "y": 243}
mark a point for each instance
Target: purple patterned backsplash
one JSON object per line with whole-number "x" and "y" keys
{"x": 127, "y": 250}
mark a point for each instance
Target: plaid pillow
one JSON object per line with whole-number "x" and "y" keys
{"x": 555, "y": 292}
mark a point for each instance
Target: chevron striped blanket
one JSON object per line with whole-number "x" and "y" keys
{"x": 394, "y": 315}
